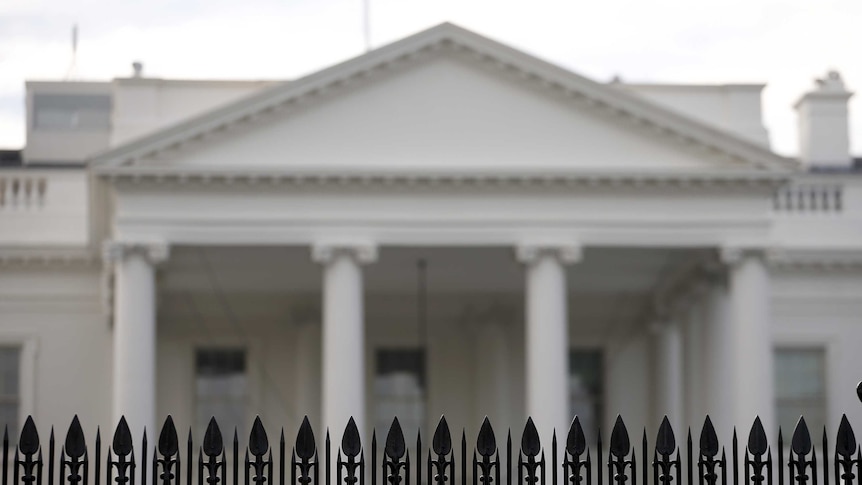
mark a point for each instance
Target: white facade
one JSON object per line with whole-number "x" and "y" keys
{"x": 650, "y": 224}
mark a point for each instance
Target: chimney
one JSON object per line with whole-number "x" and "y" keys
{"x": 137, "y": 69}
{"x": 824, "y": 131}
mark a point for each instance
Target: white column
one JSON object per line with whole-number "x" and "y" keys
{"x": 134, "y": 372}
{"x": 750, "y": 315}
{"x": 343, "y": 367}
{"x": 667, "y": 377}
{"x": 547, "y": 336}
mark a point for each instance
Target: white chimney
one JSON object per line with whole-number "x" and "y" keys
{"x": 824, "y": 131}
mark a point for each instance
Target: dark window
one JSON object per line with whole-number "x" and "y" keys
{"x": 71, "y": 112}
{"x": 800, "y": 388}
{"x": 399, "y": 390}
{"x": 10, "y": 388}
{"x": 586, "y": 389}
{"x": 221, "y": 389}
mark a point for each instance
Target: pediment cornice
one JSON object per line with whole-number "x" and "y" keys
{"x": 496, "y": 178}
{"x": 673, "y": 127}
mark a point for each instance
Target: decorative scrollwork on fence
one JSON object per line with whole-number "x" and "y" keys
{"x": 123, "y": 449}
{"x": 213, "y": 448}
{"x": 758, "y": 456}
{"x": 486, "y": 462}
{"x": 28, "y": 456}
{"x": 575, "y": 469}
{"x": 620, "y": 448}
{"x": 258, "y": 445}
{"x": 354, "y": 457}
{"x": 443, "y": 462}
{"x": 707, "y": 464}
{"x": 531, "y": 459}
{"x": 396, "y": 458}
{"x": 664, "y": 465}
{"x": 304, "y": 456}
{"x": 73, "y": 456}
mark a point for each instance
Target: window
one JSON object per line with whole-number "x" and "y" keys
{"x": 800, "y": 388}
{"x": 221, "y": 387}
{"x": 399, "y": 390}
{"x": 10, "y": 388}
{"x": 586, "y": 389}
{"x": 68, "y": 112}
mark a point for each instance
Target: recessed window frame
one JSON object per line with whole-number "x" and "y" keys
{"x": 66, "y": 112}
{"x": 252, "y": 398}
{"x": 599, "y": 352}
{"x": 28, "y": 345}
{"x": 812, "y": 345}
{"x": 423, "y": 378}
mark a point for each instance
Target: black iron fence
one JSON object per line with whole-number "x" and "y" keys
{"x": 483, "y": 460}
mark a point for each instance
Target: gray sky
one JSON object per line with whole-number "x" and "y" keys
{"x": 784, "y": 43}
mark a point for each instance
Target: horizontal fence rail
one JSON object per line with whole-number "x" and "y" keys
{"x": 484, "y": 461}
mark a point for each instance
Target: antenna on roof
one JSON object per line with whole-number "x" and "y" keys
{"x": 73, "y": 64}
{"x": 366, "y": 23}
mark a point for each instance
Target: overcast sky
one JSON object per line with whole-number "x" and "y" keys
{"x": 783, "y": 43}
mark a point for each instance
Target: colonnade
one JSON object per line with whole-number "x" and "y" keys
{"x": 712, "y": 350}
{"x": 729, "y": 347}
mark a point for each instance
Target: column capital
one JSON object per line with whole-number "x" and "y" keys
{"x": 155, "y": 252}
{"x": 564, "y": 252}
{"x": 361, "y": 252}
{"x": 732, "y": 255}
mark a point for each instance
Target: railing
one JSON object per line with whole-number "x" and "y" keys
{"x": 40, "y": 206}
{"x": 809, "y": 198}
{"x": 22, "y": 191}
{"x": 663, "y": 463}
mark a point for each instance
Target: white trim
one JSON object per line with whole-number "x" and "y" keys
{"x": 19, "y": 257}
{"x": 815, "y": 259}
{"x": 674, "y": 234}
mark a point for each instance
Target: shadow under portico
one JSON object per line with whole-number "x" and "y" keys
{"x": 444, "y": 333}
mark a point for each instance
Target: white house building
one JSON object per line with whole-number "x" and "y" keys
{"x": 441, "y": 225}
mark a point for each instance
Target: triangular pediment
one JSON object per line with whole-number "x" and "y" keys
{"x": 444, "y": 99}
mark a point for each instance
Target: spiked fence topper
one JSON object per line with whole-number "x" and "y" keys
{"x": 533, "y": 463}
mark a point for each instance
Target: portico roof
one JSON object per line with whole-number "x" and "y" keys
{"x": 740, "y": 159}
